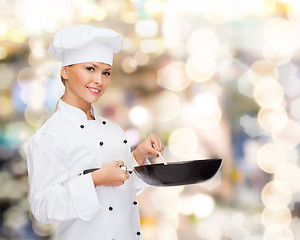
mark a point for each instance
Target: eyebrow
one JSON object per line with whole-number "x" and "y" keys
{"x": 98, "y": 67}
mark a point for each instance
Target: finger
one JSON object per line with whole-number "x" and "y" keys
{"x": 119, "y": 163}
{"x": 153, "y": 150}
{"x": 125, "y": 176}
{"x": 157, "y": 144}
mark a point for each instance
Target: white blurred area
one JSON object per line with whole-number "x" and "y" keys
{"x": 212, "y": 78}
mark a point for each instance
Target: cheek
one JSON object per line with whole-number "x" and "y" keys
{"x": 106, "y": 82}
{"x": 79, "y": 78}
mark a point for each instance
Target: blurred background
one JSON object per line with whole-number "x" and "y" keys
{"x": 212, "y": 78}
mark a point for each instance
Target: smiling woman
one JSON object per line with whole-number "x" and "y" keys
{"x": 98, "y": 204}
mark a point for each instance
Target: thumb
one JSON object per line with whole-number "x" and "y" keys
{"x": 119, "y": 163}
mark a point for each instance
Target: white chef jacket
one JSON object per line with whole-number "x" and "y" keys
{"x": 58, "y": 153}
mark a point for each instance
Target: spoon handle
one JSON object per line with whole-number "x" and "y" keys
{"x": 160, "y": 155}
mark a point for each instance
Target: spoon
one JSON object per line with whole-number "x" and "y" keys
{"x": 160, "y": 155}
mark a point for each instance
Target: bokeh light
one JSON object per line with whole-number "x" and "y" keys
{"x": 7, "y": 75}
{"x": 271, "y": 158}
{"x": 129, "y": 64}
{"x": 282, "y": 38}
{"x": 139, "y": 115}
{"x": 200, "y": 68}
{"x": 268, "y": 93}
{"x": 279, "y": 234}
{"x": 209, "y": 230}
{"x": 202, "y": 41}
{"x": 141, "y": 58}
{"x": 6, "y": 106}
{"x": 272, "y": 195}
{"x": 183, "y": 142}
{"x": 282, "y": 32}
{"x": 276, "y": 217}
{"x": 272, "y": 119}
{"x": 16, "y": 35}
{"x": 207, "y": 113}
{"x": 152, "y": 46}
{"x": 206, "y": 103}
{"x": 160, "y": 200}
{"x": 294, "y": 109}
{"x": 289, "y": 136}
{"x": 146, "y": 28}
{"x": 33, "y": 94}
{"x": 3, "y": 53}
{"x": 26, "y": 75}
{"x": 203, "y": 205}
{"x": 173, "y": 77}
{"x": 288, "y": 179}
{"x": 200, "y": 205}
{"x": 36, "y": 116}
{"x": 262, "y": 7}
{"x": 167, "y": 106}
{"x": 262, "y": 69}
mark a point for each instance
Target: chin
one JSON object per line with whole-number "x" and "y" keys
{"x": 92, "y": 100}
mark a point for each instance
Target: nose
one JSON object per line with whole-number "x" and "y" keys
{"x": 98, "y": 79}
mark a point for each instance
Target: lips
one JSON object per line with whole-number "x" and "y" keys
{"x": 94, "y": 90}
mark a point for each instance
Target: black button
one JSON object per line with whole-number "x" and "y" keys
{"x": 138, "y": 233}
{"x": 100, "y": 143}
{"x": 110, "y": 208}
{"x": 103, "y": 122}
{"x": 81, "y": 126}
{"x": 125, "y": 141}
{"x": 135, "y": 203}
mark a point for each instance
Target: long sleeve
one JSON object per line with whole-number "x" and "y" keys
{"x": 52, "y": 197}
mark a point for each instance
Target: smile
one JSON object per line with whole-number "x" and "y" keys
{"x": 94, "y": 90}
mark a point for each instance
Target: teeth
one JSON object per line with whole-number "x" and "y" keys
{"x": 94, "y": 90}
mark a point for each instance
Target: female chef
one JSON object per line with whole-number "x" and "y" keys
{"x": 101, "y": 204}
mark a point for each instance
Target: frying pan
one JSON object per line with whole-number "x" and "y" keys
{"x": 175, "y": 173}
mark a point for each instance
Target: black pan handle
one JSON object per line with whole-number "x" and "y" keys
{"x": 89, "y": 170}
{"x": 94, "y": 169}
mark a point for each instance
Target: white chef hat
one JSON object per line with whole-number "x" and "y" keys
{"x": 84, "y": 43}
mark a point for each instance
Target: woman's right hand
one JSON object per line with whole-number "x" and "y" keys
{"x": 110, "y": 174}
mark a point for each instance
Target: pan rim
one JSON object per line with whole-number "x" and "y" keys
{"x": 183, "y": 162}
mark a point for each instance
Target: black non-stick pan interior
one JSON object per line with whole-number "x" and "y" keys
{"x": 179, "y": 173}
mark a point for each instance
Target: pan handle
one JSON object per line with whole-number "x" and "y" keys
{"x": 89, "y": 170}
{"x": 124, "y": 168}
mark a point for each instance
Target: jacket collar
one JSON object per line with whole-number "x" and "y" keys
{"x": 73, "y": 112}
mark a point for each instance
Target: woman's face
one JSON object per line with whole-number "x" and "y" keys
{"x": 86, "y": 82}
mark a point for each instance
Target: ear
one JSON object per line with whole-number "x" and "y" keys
{"x": 64, "y": 72}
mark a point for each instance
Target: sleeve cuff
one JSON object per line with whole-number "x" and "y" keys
{"x": 84, "y": 196}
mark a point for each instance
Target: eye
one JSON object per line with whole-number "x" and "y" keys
{"x": 90, "y": 69}
{"x": 106, "y": 74}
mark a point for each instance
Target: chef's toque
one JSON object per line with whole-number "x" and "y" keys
{"x": 84, "y": 43}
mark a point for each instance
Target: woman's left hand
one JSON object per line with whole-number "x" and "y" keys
{"x": 148, "y": 148}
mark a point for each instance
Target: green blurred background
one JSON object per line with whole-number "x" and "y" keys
{"x": 212, "y": 78}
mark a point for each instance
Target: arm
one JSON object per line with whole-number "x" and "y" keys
{"x": 52, "y": 197}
